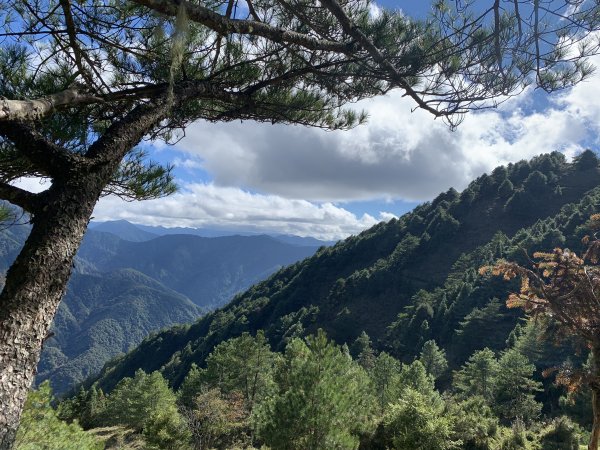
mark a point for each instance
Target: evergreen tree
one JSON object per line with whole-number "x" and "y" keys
{"x": 478, "y": 375}
{"x": 536, "y": 182}
{"x": 505, "y": 189}
{"x": 474, "y": 424}
{"x": 385, "y": 376}
{"x": 164, "y": 431}
{"x": 363, "y": 351}
{"x": 562, "y": 434}
{"x": 193, "y": 384}
{"x": 417, "y": 424}
{"x": 514, "y": 388}
{"x": 147, "y": 405}
{"x": 86, "y": 407}
{"x": 433, "y": 359}
{"x": 42, "y": 429}
{"x": 586, "y": 160}
{"x": 321, "y": 401}
{"x": 414, "y": 376}
{"x": 243, "y": 364}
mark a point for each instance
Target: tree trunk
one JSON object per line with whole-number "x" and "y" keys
{"x": 37, "y": 279}
{"x": 34, "y": 287}
{"x": 595, "y": 386}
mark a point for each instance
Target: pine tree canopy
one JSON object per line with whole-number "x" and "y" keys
{"x": 68, "y": 70}
{"x": 283, "y": 61}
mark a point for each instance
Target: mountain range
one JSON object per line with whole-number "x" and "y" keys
{"x": 128, "y": 282}
{"x": 139, "y": 233}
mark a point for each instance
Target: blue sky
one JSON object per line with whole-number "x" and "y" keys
{"x": 289, "y": 179}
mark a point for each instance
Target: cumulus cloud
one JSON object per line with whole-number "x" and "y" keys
{"x": 398, "y": 154}
{"x": 206, "y": 205}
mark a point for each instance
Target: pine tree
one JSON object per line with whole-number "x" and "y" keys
{"x": 385, "y": 375}
{"x": 193, "y": 384}
{"x": 417, "y": 424}
{"x": 244, "y": 364}
{"x": 515, "y": 389}
{"x": 321, "y": 401}
{"x": 586, "y": 160}
{"x": 363, "y": 351}
{"x": 505, "y": 189}
{"x": 42, "y": 429}
{"x": 146, "y": 404}
{"x": 478, "y": 375}
{"x": 433, "y": 359}
{"x": 474, "y": 423}
{"x": 86, "y": 407}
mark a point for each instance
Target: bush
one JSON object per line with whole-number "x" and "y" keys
{"x": 42, "y": 429}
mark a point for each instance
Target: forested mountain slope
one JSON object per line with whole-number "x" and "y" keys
{"x": 103, "y": 315}
{"x": 404, "y": 281}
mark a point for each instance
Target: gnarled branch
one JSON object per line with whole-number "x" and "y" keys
{"x": 19, "y": 197}
{"x": 48, "y": 157}
{"x": 222, "y": 24}
{"x": 43, "y": 106}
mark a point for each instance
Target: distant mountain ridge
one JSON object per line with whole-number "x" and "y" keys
{"x": 209, "y": 271}
{"x": 404, "y": 281}
{"x": 139, "y": 233}
{"x": 123, "y": 289}
{"x": 124, "y": 230}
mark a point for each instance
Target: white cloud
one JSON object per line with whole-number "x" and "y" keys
{"x": 187, "y": 163}
{"x": 398, "y": 154}
{"x": 32, "y": 184}
{"x": 206, "y": 205}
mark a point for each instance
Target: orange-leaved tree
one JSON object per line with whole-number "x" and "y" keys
{"x": 565, "y": 288}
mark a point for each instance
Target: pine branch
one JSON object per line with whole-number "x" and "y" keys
{"x": 365, "y": 42}
{"x": 72, "y": 33}
{"x": 32, "y": 109}
{"x": 46, "y": 156}
{"x": 222, "y": 24}
{"x": 19, "y": 197}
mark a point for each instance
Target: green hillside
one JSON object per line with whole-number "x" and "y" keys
{"x": 104, "y": 315}
{"x": 405, "y": 281}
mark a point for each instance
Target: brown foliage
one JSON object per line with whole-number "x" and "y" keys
{"x": 561, "y": 286}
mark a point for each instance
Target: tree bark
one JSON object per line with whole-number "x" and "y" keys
{"x": 34, "y": 287}
{"x": 595, "y": 386}
{"x": 36, "y": 281}
{"x": 40, "y": 107}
